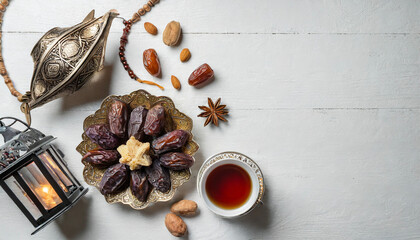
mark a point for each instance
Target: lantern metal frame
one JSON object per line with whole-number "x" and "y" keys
{"x": 41, "y": 146}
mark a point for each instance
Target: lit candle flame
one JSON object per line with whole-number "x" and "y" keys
{"x": 47, "y": 196}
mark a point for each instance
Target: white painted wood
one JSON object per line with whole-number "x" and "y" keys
{"x": 324, "y": 95}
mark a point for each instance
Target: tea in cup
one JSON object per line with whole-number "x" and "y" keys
{"x": 230, "y": 184}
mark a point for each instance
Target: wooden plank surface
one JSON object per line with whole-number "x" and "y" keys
{"x": 324, "y": 95}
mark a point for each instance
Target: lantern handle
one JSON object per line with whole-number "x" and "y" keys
{"x": 7, "y": 131}
{"x": 2, "y": 124}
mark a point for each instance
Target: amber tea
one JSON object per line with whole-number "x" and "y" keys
{"x": 228, "y": 186}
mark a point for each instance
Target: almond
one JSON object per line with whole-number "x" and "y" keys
{"x": 172, "y": 33}
{"x": 175, "y": 82}
{"x": 150, "y": 28}
{"x": 175, "y": 225}
{"x": 184, "y": 208}
{"x": 185, "y": 55}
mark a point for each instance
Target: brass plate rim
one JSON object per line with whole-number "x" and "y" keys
{"x": 179, "y": 120}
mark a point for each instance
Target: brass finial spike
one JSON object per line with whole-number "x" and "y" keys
{"x": 27, "y": 111}
{"x": 90, "y": 16}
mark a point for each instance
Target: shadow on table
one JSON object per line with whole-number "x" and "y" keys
{"x": 258, "y": 219}
{"x": 96, "y": 89}
{"x": 75, "y": 220}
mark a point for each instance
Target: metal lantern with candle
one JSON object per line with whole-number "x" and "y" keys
{"x": 33, "y": 173}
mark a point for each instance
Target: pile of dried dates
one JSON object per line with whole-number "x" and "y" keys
{"x": 146, "y": 126}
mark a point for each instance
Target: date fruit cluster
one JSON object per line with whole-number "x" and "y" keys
{"x": 147, "y": 126}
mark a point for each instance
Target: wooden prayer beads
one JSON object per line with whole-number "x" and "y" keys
{"x": 3, "y": 71}
{"x": 124, "y": 40}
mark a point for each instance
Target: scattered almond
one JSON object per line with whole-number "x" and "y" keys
{"x": 175, "y": 82}
{"x": 184, "y": 208}
{"x": 175, "y": 225}
{"x": 172, "y": 33}
{"x": 150, "y": 28}
{"x": 185, "y": 55}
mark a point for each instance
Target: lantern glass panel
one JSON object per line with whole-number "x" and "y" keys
{"x": 40, "y": 186}
{"x": 58, "y": 160}
{"x": 55, "y": 171}
{"x": 18, "y": 191}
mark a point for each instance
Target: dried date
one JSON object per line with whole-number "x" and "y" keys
{"x": 170, "y": 141}
{"x": 118, "y": 118}
{"x": 114, "y": 179}
{"x": 101, "y": 158}
{"x": 155, "y": 121}
{"x": 151, "y": 62}
{"x": 101, "y": 135}
{"x": 176, "y": 160}
{"x": 201, "y": 75}
{"x": 136, "y": 123}
{"x": 139, "y": 185}
{"x": 159, "y": 177}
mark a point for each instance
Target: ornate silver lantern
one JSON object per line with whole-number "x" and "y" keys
{"x": 34, "y": 174}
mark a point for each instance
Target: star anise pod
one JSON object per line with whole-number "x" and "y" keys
{"x": 213, "y": 112}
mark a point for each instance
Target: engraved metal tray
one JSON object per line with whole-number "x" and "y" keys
{"x": 174, "y": 120}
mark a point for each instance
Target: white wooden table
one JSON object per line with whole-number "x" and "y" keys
{"x": 324, "y": 95}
